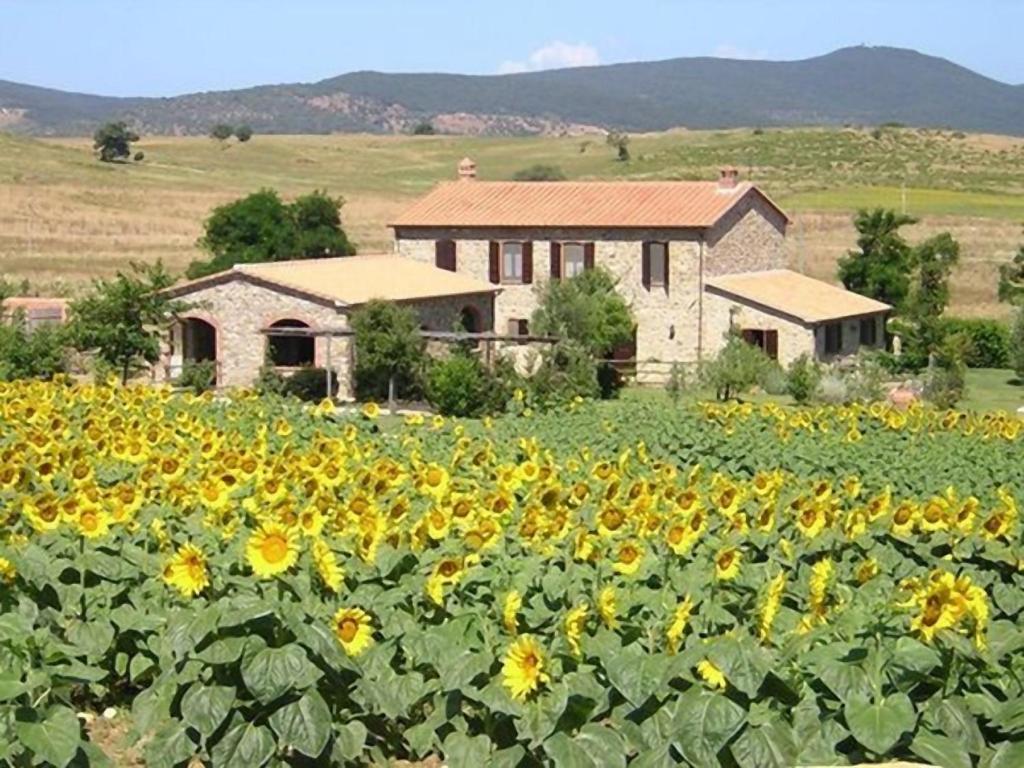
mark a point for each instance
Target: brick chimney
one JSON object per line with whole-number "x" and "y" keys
{"x": 728, "y": 177}
{"x": 467, "y": 169}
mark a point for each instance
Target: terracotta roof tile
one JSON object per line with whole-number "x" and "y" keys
{"x": 810, "y": 300}
{"x": 697, "y": 204}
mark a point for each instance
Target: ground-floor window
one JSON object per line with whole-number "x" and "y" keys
{"x": 833, "y": 338}
{"x": 518, "y": 327}
{"x": 766, "y": 341}
{"x": 291, "y": 351}
{"x": 868, "y": 332}
{"x": 198, "y": 340}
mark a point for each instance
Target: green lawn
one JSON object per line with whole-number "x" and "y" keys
{"x": 988, "y": 389}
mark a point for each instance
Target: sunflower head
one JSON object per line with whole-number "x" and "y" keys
{"x": 272, "y": 549}
{"x": 354, "y": 630}
{"x": 523, "y": 668}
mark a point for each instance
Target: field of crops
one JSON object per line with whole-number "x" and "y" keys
{"x": 720, "y": 585}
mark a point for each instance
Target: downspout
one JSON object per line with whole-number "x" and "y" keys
{"x": 700, "y": 306}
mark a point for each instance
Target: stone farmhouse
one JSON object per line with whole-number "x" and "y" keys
{"x": 693, "y": 259}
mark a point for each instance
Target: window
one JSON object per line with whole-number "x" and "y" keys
{"x": 573, "y": 259}
{"x": 518, "y": 327}
{"x": 511, "y": 262}
{"x": 766, "y": 341}
{"x": 655, "y": 266}
{"x": 444, "y": 254}
{"x": 868, "y": 332}
{"x": 291, "y": 351}
{"x": 833, "y": 338}
{"x": 570, "y": 259}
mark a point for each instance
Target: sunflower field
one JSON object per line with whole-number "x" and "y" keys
{"x": 263, "y": 583}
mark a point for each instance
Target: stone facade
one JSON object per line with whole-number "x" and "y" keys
{"x": 239, "y": 309}
{"x": 724, "y": 312}
{"x": 749, "y": 238}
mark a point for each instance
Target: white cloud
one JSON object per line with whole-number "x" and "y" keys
{"x": 730, "y": 51}
{"x": 555, "y": 55}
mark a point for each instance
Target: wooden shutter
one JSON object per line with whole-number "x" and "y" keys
{"x": 444, "y": 254}
{"x": 556, "y": 261}
{"x": 495, "y": 262}
{"x": 668, "y": 271}
{"x": 528, "y": 262}
{"x": 588, "y": 256}
{"x": 645, "y": 266}
{"x": 771, "y": 344}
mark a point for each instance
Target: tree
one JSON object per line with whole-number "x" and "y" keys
{"x": 388, "y": 348}
{"x": 737, "y": 367}
{"x": 540, "y": 172}
{"x": 585, "y": 309}
{"x": 243, "y": 133}
{"x": 880, "y": 267}
{"x": 317, "y": 221}
{"x": 222, "y": 131}
{"x": 123, "y": 319}
{"x": 113, "y": 141}
{"x": 424, "y": 128}
{"x": 261, "y": 227}
{"x": 620, "y": 142}
{"x": 1011, "y": 279}
{"x": 932, "y": 263}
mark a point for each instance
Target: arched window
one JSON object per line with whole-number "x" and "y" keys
{"x": 199, "y": 340}
{"x": 291, "y": 351}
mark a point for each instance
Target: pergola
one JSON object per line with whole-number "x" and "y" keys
{"x": 489, "y": 339}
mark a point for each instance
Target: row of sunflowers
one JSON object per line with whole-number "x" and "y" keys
{"x": 263, "y": 583}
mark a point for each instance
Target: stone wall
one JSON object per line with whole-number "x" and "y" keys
{"x": 239, "y": 310}
{"x": 749, "y": 238}
{"x": 667, "y": 320}
{"x": 721, "y": 312}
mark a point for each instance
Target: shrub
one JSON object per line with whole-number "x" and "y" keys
{"x": 424, "y": 128}
{"x": 738, "y": 367}
{"x": 243, "y": 133}
{"x": 567, "y": 370}
{"x": 310, "y": 384}
{"x": 865, "y": 377}
{"x": 540, "y": 172}
{"x": 459, "y": 386}
{"x": 945, "y": 384}
{"x": 802, "y": 378}
{"x": 37, "y": 354}
{"x": 832, "y": 388}
{"x": 676, "y": 384}
{"x": 989, "y": 340}
{"x": 198, "y": 376}
{"x": 1017, "y": 346}
{"x": 269, "y": 381}
{"x": 139, "y": 156}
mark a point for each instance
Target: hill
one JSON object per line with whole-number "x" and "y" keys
{"x": 65, "y": 217}
{"x": 858, "y": 86}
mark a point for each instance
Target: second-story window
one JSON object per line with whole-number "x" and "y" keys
{"x": 511, "y": 262}
{"x": 655, "y": 266}
{"x": 572, "y": 259}
{"x": 444, "y": 254}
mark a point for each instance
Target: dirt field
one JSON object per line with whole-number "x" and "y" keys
{"x": 65, "y": 217}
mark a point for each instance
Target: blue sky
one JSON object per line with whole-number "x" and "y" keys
{"x": 145, "y": 47}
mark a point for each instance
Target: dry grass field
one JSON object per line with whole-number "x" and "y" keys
{"x": 65, "y": 217}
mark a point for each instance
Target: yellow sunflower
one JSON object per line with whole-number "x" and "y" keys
{"x": 7, "y": 571}
{"x": 680, "y": 619}
{"x": 575, "y": 624}
{"x": 272, "y": 549}
{"x": 510, "y": 611}
{"x": 331, "y": 574}
{"x": 353, "y": 629}
{"x": 522, "y": 669}
{"x": 187, "y": 571}
{"x": 628, "y": 558}
{"x": 711, "y": 675}
{"x": 727, "y": 563}
{"x": 607, "y": 608}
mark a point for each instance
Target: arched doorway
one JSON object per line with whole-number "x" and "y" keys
{"x": 291, "y": 351}
{"x": 469, "y": 319}
{"x": 198, "y": 340}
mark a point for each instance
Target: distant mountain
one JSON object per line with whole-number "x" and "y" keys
{"x": 863, "y": 85}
